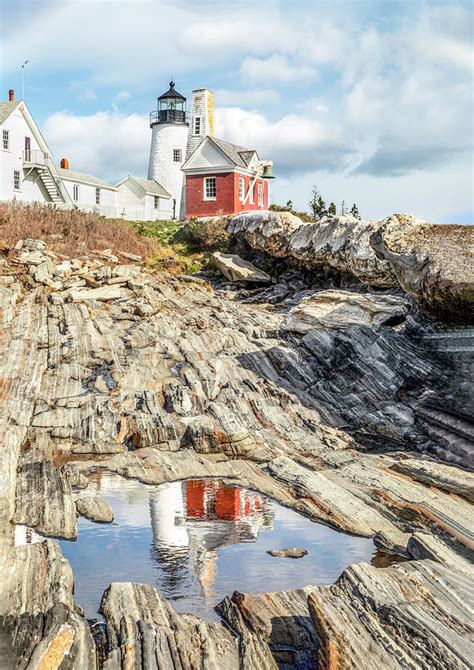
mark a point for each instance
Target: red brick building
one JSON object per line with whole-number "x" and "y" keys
{"x": 223, "y": 178}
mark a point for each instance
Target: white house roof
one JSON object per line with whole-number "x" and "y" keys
{"x": 83, "y": 178}
{"x": 150, "y": 186}
{"x": 239, "y": 157}
{"x": 6, "y": 108}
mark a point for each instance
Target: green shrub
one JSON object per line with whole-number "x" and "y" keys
{"x": 207, "y": 235}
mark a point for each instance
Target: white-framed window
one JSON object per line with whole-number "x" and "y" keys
{"x": 210, "y": 188}
{"x": 16, "y": 180}
{"x": 6, "y": 139}
{"x": 97, "y": 196}
{"x": 156, "y": 201}
{"x": 177, "y": 155}
{"x": 241, "y": 188}
{"x": 252, "y": 187}
{"x": 260, "y": 194}
{"x": 75, "y": 193}
{"x": 197, "y": 125}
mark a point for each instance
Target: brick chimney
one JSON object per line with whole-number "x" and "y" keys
{"x": 11, "y": 95}
{"x": 64, "y": 163}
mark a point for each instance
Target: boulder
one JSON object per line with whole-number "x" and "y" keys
{"x": 95, "y": 509}
{"x": 292, "y": 552}
{"x": 432, "y": 262}
{"x": 344, "y": 309}
{"x": 235, "y": 268}
{"x": 341, "y": 243}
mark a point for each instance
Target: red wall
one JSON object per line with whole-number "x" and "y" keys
{"x": 227, "y": 195}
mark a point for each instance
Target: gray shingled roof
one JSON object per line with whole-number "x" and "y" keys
{"x": 238, "y": 155}
{"x": 83, "y": 177}
{"x": 152, "y": 187}
{"x": 6, "y": 108}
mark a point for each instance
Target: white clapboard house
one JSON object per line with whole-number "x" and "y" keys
{"x": 29, "y": 174}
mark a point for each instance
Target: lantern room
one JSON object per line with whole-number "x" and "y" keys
{"x": 171, "y": 107}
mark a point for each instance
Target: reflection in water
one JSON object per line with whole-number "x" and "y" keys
{"x": 198, "y": 541}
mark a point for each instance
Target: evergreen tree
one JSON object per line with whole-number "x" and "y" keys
{"x": 332, "y": 211}
{"x": 355, "y": 211}
{"x": 317, "y": 204}
{"x": 289, "y": 204}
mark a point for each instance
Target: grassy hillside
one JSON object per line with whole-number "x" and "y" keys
{"x": 163, "y": 245}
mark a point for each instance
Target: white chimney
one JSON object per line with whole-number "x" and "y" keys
{"x": 202, "y": 118}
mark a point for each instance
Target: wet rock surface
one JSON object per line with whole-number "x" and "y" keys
{"x": 95, "y": 509}
{"x": 292, "y": 552}
{"x": 168, "y": 379}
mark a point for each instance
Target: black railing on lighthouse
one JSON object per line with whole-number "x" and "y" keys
{"x": 169, "y": 116}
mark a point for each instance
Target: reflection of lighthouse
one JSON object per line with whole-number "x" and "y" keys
{"x": 168, "y": 516}
{"x": 191, "y": 520}
{"x": 170, "y": 536}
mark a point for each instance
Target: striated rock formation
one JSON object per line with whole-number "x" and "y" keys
{"x": 171, "y": 379}
{"x": 432, "y": 263}
{"x": 167, "y": 640}
{"x": 344, "y": 309}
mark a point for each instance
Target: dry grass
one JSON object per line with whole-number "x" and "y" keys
{"x": 71, "y": 232}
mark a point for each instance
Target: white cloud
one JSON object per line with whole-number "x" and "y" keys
{"x": 254, "y": 98}
{"x": 276, "y": 68}
{"x": 107, "y": 144}
{"x": 380, "y": 91}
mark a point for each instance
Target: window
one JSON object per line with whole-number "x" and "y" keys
{"x": 6, "y": 139}
{"x": 241, "y": 188}
{"x": 97, "y": 196}
{"x": 260, "y": 194}
{"x": 75, "y": 192}
{"x": 210, "y": 189}
{"x": 16, "y": 180}
{"x": 251, "y": 201}
{"x": 177, "y": 155}
{"x": 156, "y": 201}
{"x": 197, "y": 125}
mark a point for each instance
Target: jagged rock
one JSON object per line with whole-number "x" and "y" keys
{"x": 95, "y": 509}
{"x": 292, "y": 552}
{"x": 236, "y": 269}
{"x": 433, "y": 263}
{"x": 278, "y": 622}
{"x": 414, "y": 615}
{"x": 445, "y": 477}
{"x": 168, "y": 640}
{"x": 44, "y": 500}
{"x": 342, "y": 243}
{"x": 343, "y": 309}
{"x": 205, "y": 386}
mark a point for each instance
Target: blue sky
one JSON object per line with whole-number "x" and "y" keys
{"x": 370, "y": 100}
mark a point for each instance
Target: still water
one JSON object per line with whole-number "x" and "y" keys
{"x": 198, "y": 541}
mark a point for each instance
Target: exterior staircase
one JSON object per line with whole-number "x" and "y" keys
{"x": 41, "y": 163}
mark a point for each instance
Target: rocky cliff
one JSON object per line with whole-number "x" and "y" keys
{"x": 352, "y": 407}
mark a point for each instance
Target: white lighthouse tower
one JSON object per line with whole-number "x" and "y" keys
{"x": 168, "y": 145}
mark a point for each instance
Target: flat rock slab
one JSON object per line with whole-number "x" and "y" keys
{"x": 95, "y": 509}
{"x": 344, "y": 309}
{"x": 293, "y": 552}
{"x": 167, "y": 640}
{"x": 235, "y": 268}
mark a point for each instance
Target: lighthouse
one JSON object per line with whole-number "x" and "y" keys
{"x": 169, "y": 124}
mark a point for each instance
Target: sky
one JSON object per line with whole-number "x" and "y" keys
{"x": 369, "y": 100}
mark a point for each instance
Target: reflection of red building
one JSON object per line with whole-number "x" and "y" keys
{"x": 207, "y": 500}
